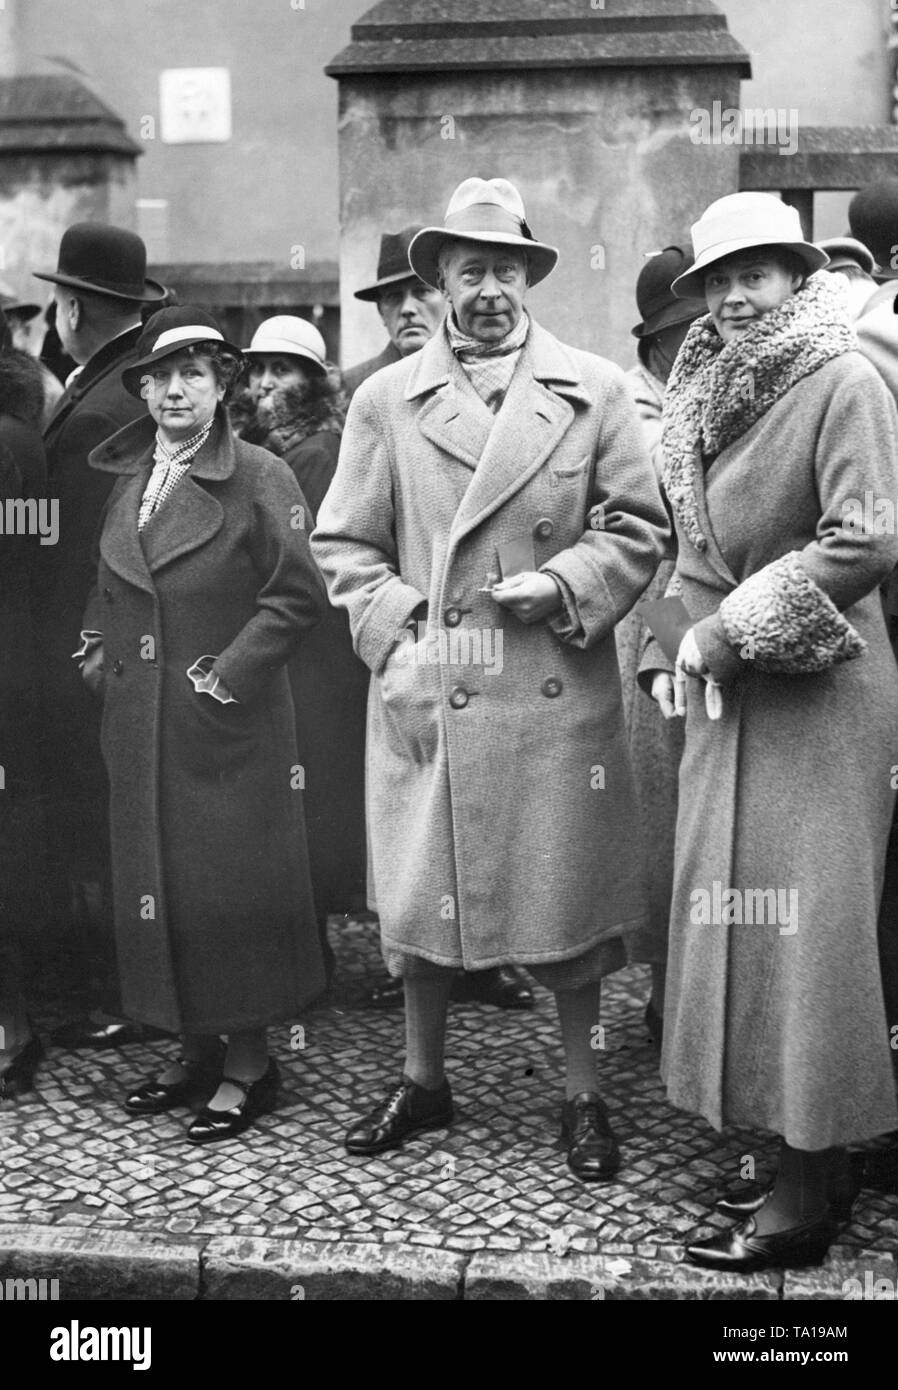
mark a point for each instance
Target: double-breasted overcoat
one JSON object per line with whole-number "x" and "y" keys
{"x": 214, "y": 919}
{"x": 501, "y": 813}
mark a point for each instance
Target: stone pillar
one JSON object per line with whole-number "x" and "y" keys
{"x": 585, "y": 105}
{"x": 64, "y": 158}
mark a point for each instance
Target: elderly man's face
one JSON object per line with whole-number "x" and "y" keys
{"x": 486, "y": 286}
{"x": 412, "y": 312}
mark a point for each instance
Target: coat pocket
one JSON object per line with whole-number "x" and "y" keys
{"x": 411, "y": 697}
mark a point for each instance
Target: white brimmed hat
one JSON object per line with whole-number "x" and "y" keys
{"x": 289, "y": 336}
{"x": 487, "y": 210}
{"x": 738, "y": 222}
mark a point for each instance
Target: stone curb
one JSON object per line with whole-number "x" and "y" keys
{"x": 113, "y": 1265}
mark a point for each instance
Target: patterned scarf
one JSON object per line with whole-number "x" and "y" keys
{"x": 170, "y": 463}
{"x": 489, "y": 366}
{"x": 718, "y": 390}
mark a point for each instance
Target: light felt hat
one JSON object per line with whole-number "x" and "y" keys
{"x": 847, "y": 250}
{"x": 486, "y": 210}
{"x": 737, "y": 223}
{"x": 289, "y": 336}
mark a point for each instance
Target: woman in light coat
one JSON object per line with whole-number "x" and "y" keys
{"x": 775, "y": 430}
{"x": 205, "y": 588}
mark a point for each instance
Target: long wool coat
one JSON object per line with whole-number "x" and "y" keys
{"x": 501, "y": 812}
{"x": 214, "y": 919}
{"x": 779, "y": 1024}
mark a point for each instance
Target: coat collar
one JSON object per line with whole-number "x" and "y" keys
{"x": 109, "y": 357}
{"x": 175, "y": 530}
{"x": 505, "y": 453}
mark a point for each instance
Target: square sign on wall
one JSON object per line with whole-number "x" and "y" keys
{"x": 195, "y": 105}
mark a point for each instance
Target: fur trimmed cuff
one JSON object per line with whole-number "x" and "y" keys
{"x": 786, "y": 623}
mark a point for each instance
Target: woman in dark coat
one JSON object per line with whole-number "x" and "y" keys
{"x": 775, "y": 431}
{"x": 205, "y": 589}
{"x": 27, "y": 523}
{"x": 296, "y": 397}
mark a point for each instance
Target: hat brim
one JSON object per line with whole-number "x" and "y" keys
{"x": 668, "y": 317}
{"x": 423, "y": 253}
{"x": 371, "y": 293}
{"x": 280, "y": 347}
{"x": 21, "y": 311}
{"x": 131, "y": 375}
{"x": 692, "y": 284}
{"x": 153, "y": 292}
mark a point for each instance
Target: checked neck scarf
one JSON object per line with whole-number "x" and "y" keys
{"x": 489, "y": 366}
{"x": 170, "y": 463}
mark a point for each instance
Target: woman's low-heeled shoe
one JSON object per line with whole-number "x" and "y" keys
{"x": 198, "y": 1083}
{"x": 259, "y": 1098}
{"x": 19, "y": 1075}
{"x": 741, "y": 1250}
{"x": 841, "y": 1198}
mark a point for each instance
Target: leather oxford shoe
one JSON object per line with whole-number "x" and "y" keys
{"x": 411, "y": 1109}
{"x": 390, "y": 995}
{"x": 18, "y": 1078}
{"x": 742, "y": 1250}
{"x": 504, "y": 986}
{"x": 259, "y": 1097}
{"x": 84, "y": 1033}
{"x": 593, "y": 1155}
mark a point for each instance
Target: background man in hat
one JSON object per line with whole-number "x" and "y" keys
{"x": 411, "y": 311}
{"x": 100, "y": 287}
{"x": 852, "y": 260}
{"x": 491, "y": 842}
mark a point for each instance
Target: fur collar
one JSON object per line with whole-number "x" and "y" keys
{"x": 718, "y": 391}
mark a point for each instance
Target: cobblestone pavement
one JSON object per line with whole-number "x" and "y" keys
{"x": 70, "y": 1157}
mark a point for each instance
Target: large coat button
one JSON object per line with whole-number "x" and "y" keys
{"x": 544, "y": 528}
{"x": 458, "y": 697}
{"x": 452, "y": 617}
{"x": 107, "y": 594}
{"x": 118, "y": 667}
{"x": 551, "y": 687}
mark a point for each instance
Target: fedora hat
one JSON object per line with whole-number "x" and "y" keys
{"x": 289, "y": 336}
{"x": 486, "y": 210}
{"x": 659, "y": 306}
{"x": 171, "y": 330}
{"x": 20, "y": 308}
{"x": 847, "y": 250}
{"x": 104, "y": 260}
{"x": 392, "y": 263}
{"x": 737, "y": 223}
{"x": 873, "y": 218}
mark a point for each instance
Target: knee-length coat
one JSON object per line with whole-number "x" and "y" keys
{"x": 215, "y": 926}
{"x": 501, "y": 813}
{"x": 779, "y": 1024}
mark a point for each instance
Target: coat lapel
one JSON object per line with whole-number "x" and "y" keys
{"x": 190, "y": 518}
{"x": 448, "y": 416}
{"x": 535, "y": 416}
{"x": 109, "y": 357}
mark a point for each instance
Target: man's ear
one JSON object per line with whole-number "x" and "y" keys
{"x": 74, "y": 311}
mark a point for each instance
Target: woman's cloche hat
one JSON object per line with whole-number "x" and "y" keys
{"x": 487, "y": 210}
{"x": 172, "y": 330}
{"x": 289, "y": 336}
{"x": 659, "y": 306}
{"x": 104, "y": 260}
{"x": 738, "y": 222}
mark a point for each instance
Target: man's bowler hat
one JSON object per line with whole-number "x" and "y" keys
{"x": 104, "y": 260}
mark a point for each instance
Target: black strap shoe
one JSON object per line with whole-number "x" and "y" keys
{"x": 742, "y": 1250}
{"x": 199, "y": 1082}
{"x": 259, "y": 1098}
{"x": 593, "y": 1155}
{"x": 390, "y": 995}
{"x": 843, "y": 1194}
{"x": 504, "y": 986}
{"x": 409, "y": 1110}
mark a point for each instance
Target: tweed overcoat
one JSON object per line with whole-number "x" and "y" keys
{"x": 501, "y": 812}
{"x": 93, "y": 408}
{"x": 214, "y": 920}
{"x": 780, "y": 1025}
{"x": 354, "y": 376}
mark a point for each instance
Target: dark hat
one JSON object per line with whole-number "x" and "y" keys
{"x": 169, "y": 331}
{"x": 20, "y": 309}
{"x": 104, "y": 260}
{"x": 5, "y": 334}
{"x": 873, "y": 218}
{"x": 659, "y": 306}
{"x": 392, "y": 264}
